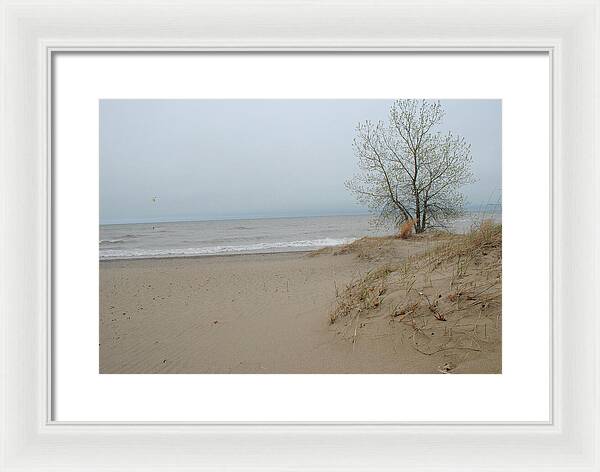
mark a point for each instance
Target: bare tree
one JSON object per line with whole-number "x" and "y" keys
{"x": 410, "y": 170}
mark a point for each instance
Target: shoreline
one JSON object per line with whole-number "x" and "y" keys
{"x": 204, "y": 249}
{"x": 204, "y": 256}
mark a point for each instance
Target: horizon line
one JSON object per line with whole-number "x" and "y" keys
{"x": 233, "y": 218}
{"x": 476, "y": 207}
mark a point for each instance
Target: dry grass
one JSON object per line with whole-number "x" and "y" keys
{"x": 454, "y": 287}
{"x": 361, "y": 294}
{"x": 481, "y": 239}
{"x": 406, "y": 229}
{"x": 367, "y": 248}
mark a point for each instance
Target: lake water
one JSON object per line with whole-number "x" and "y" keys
{"x": 202, "y": 238}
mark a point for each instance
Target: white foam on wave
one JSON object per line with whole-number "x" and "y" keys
{"x": 281, "y": 246}
{"x": 122, "y": 239}
{"x": 111, "y": 241}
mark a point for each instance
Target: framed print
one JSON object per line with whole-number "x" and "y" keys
{"x": 339, "y": 237}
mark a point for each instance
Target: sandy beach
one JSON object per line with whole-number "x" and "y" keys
{"x": 300, "y": 236}
{"x": 272, "y": 313}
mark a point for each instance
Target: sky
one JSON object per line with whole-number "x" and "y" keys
{"x": 219, "y": 159}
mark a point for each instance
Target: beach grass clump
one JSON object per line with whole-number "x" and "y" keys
{"x": 482, "y": 238}
{"x": 365, "y": 248}
{"x": 448, "y": 297}
{"x": 361, "y": 295}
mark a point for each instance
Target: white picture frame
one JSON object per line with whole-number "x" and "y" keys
{"x": 569, "y": 31}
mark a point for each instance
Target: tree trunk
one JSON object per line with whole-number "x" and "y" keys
{"x": 424, "y": 217}
{"x": 418, "y": 227}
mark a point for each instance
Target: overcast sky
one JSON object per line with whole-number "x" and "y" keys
{"x": 214, "y": 159}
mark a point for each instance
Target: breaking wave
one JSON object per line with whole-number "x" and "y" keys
{"x": 283, "y": 246}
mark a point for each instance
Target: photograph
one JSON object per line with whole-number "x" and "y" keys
{"x": 300, "y": 236}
